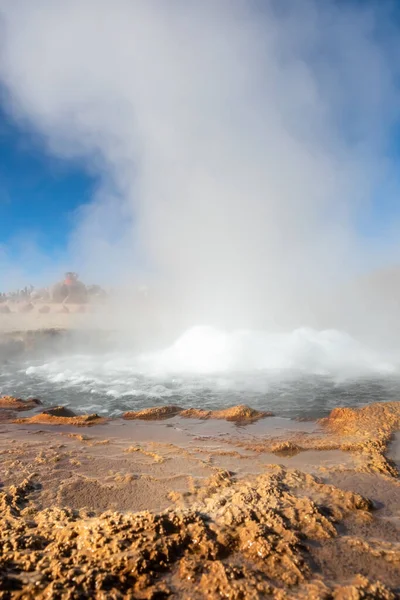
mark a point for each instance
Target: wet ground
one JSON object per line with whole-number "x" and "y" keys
{"x": 200, "y": 508}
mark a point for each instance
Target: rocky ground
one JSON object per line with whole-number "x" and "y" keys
{"x": 166, "y": 503}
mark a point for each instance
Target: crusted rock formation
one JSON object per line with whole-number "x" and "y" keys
{"x": 240, "y": 413}
{"x": 9, "y": 402}
{"x": 62, "y": 416}
{"x": 239, "y": 540}
{"x": 154, "y": 413}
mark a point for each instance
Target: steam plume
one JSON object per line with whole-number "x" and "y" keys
{"x": 237, "y": 144}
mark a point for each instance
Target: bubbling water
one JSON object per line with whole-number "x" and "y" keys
{"x": 303, "y": 372}
{"x": 208, "y": 350}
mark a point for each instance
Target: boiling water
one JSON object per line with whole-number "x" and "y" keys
{"x": 302, "y": 373}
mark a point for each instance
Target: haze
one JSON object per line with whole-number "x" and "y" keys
{"x": 239, "y": 148}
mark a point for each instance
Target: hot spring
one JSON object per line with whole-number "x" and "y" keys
{"x": 303, "y": 373}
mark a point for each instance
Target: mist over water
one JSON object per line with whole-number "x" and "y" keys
{"x": 304, "y": 373}
{"x": 239, "y": 149}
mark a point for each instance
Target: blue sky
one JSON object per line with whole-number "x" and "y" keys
{"x": 39, "y": 193}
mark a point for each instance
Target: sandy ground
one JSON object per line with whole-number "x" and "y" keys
{"x": 135, "y": 465}
{"x": 200, "y": 508}
{"x": 76, "y": 316}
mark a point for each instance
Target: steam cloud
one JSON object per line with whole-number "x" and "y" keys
{"x": 238, "y": 144}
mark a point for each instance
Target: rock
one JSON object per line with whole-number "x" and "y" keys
{"x": 196, "y": 413}
{"x": 60, "y": 415}
{"x": 238, "y": 413}
{"x": 154, "y": 413}
{"x": 380, "y": 417}
{"x": 59, "y": 411}
{"x": 11, "y": 403}
{"x": 285, "y": 448}
{"x": 241, "y": 413}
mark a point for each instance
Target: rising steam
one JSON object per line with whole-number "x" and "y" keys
{"x": 238, "y": 145}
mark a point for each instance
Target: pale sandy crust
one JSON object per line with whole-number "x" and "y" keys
{"x": 200, "y": 508}
{"x": 58, "y": 317}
